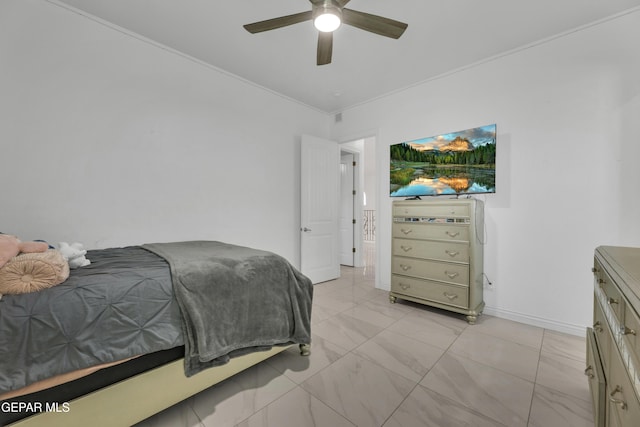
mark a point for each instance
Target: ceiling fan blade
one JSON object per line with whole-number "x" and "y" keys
{"x": 325, "y": 48}
{"x": 283, "y": 21}
{"x": 373, "y": 23}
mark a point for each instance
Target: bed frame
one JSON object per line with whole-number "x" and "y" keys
{"x": 123, "y": 403}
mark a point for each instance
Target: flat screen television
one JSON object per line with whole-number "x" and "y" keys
{"x": 455, "y": 163}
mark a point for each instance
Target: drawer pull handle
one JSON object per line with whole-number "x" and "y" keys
{"x": 589, "y": 372}
{"x": 404, "y": 287}
{"x": 406, "y": 248}
{"x": 452, "y": 275}
{"x": 405, "y": 267}
{"x": 622, "y": 403}
{"x": 597, "y": 326}
{"x": 452, "y": 234}
{"x": 405, "y": 231}
{"x": 452, "y": 253}
{"x": 612, "y": 301}
{"x": 626, "y": 331}
{"x": 450, "y": 296}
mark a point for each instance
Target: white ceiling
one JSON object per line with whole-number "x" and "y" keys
{"x": 443, "y": 36}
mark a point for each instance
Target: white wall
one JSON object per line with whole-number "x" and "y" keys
{"x": 110, "y": 140}
{"x": 567, "y": 178}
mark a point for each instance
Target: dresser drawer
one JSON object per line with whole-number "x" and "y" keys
{"x": 602, "y": 333}
{"x": 595, "y": 375}
{"x": 452, "y": 232}
{"x": 432, "y": 210}
{"x": 613, "y": 420}
{"x": 621, "y": 394}
{"x": 457, "y": 296}
{"x": 630, "y": 329}
{"x": 445, "y": 251}
{"x": 433, "y": 270}
{"x": 613, "y": 297}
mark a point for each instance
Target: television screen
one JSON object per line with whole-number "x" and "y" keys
{"x": 455, "y": 163}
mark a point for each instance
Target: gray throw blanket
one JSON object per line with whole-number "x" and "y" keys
{"x": 235, "y": 300}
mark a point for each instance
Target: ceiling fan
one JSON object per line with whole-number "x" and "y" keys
{"x": 327, "y": 16}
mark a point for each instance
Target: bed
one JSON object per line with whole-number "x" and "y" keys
{"x": 138, "y": 318}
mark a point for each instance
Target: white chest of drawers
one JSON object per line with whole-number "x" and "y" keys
{"x": 437, "y": 254}
{"x": 613, "y": 344}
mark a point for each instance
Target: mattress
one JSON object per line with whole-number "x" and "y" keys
{"x": 68, "y": 391}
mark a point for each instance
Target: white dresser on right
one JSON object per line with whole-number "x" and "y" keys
{"x": 613, "y": 343}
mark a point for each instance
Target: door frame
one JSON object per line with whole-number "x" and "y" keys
{"x": 358, "y": 208}
{"x": 347, "y": 206}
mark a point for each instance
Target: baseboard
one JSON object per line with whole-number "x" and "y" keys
{"x": 567, "y": 328}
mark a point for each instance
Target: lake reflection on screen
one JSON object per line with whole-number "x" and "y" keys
{"x": 433, "y": 181}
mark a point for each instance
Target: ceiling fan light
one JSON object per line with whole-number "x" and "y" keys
{"x": 327, "y": 22}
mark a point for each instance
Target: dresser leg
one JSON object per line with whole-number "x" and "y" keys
{"x": 471, "y": 318}
{"x": 392, "y": 299}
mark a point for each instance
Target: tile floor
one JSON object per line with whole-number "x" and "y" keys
{"x": 374, "y": 363}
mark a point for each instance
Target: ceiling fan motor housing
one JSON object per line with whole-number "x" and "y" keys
{"x": 327, "y": 7}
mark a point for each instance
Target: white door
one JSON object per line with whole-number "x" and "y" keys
{"x": 347, "y": 197}
{"x": 320, "y": 190}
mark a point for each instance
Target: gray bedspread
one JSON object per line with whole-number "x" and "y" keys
{"x": 235, "y": 300}
{"x": 223, "y": 301}
{"x": 122, "y": 305}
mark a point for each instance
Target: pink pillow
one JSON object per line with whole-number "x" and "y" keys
{"x": 9, "y": 247}
{"x": 33, "y": 247}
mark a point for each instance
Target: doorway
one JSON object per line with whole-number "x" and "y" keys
{"x": 358, "y": 202}
{"x": 320, "y": 210}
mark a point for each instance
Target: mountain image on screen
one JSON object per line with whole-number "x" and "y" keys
{"x": 456, "y": 163}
